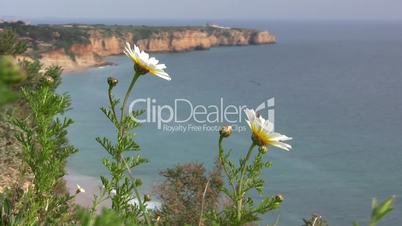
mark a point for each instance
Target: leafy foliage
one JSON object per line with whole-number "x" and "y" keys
{"x": 45, "y": 151}
{"x": 187, "y": 192}
{"x": 379, "y": 210}
{"x": 7, "y": 95}
{"x": 122, "y": 184}
{"x": 58, "y": 35}
{"x": 10, "y": 73}
{"x": 10, "y": 45}
{"x": 242, "y": 179}
{"x": 46, "y": 156}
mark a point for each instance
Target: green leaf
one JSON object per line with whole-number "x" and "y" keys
{"x": 379, "y": 211}
{"x": 106, "y": 144}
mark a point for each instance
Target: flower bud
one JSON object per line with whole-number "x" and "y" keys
{"x": 263, "y": 149}
{"x": 147, "y": 198}
{"x": 79, "y": 189}
{"x": 112, "y": 81}
{"x": 48, "y": 80}
{"x": 277, "y": 201}
{"x": 138, "y": 182}
{"x": 279, "y": 198}
{"x": 226, "y": 131}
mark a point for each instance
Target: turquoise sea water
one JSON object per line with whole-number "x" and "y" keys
{"x": 338, "y": 93}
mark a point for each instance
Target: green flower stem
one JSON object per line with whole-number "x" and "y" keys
{"x": 221, "y": 158}
{"x": 137, "y": 194}
{"x": 243, "y": 169}
{"x": 121, "y": 133}
{"x": 130, "y": 88}
{"x": 111, "y": 102}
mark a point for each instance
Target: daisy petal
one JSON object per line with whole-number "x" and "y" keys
{"x": 144, "y": 62}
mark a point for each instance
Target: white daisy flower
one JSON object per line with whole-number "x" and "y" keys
{"x": 262, "y": 131}
{"x": 79, "y": 189}
{"x": 144, "y": 63}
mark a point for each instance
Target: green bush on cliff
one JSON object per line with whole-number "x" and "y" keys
{"x": 188, "y": 194}
{"x": 10, "y": 73}
{"x": 6, "y": 95}
{"x": 45, "y": 150}
{"x": 42, "y": 133}
{"x": 58, "y": 35}
{"x": 9, "y": 44}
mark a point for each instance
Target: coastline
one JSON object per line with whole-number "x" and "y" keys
{"x": 76, "y": 47}
{"x": 85, "y": 67}
{"x": 105, "y": 63}
{"x": 78, "y": 65}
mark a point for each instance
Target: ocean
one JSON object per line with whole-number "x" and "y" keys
{"x": 338, "y": 93}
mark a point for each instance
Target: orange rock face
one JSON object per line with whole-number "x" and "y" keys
{"x": 86, "y": 55}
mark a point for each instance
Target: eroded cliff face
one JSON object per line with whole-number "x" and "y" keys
{"x": 79, "y": 56}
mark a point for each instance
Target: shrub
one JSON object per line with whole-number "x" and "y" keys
{"x": 9, "y": 44}
{"x": 187, "y": 192}
{"x": 42, "y": 135}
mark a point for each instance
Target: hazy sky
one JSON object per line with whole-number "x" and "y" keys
{"x": 204, "y": 9}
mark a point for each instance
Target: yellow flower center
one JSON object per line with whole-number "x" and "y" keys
{"x": 259, "y": 136}
{"x": 141, "y": 67}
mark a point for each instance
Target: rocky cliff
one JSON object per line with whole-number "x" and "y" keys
{"x": 77, "y": 46}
